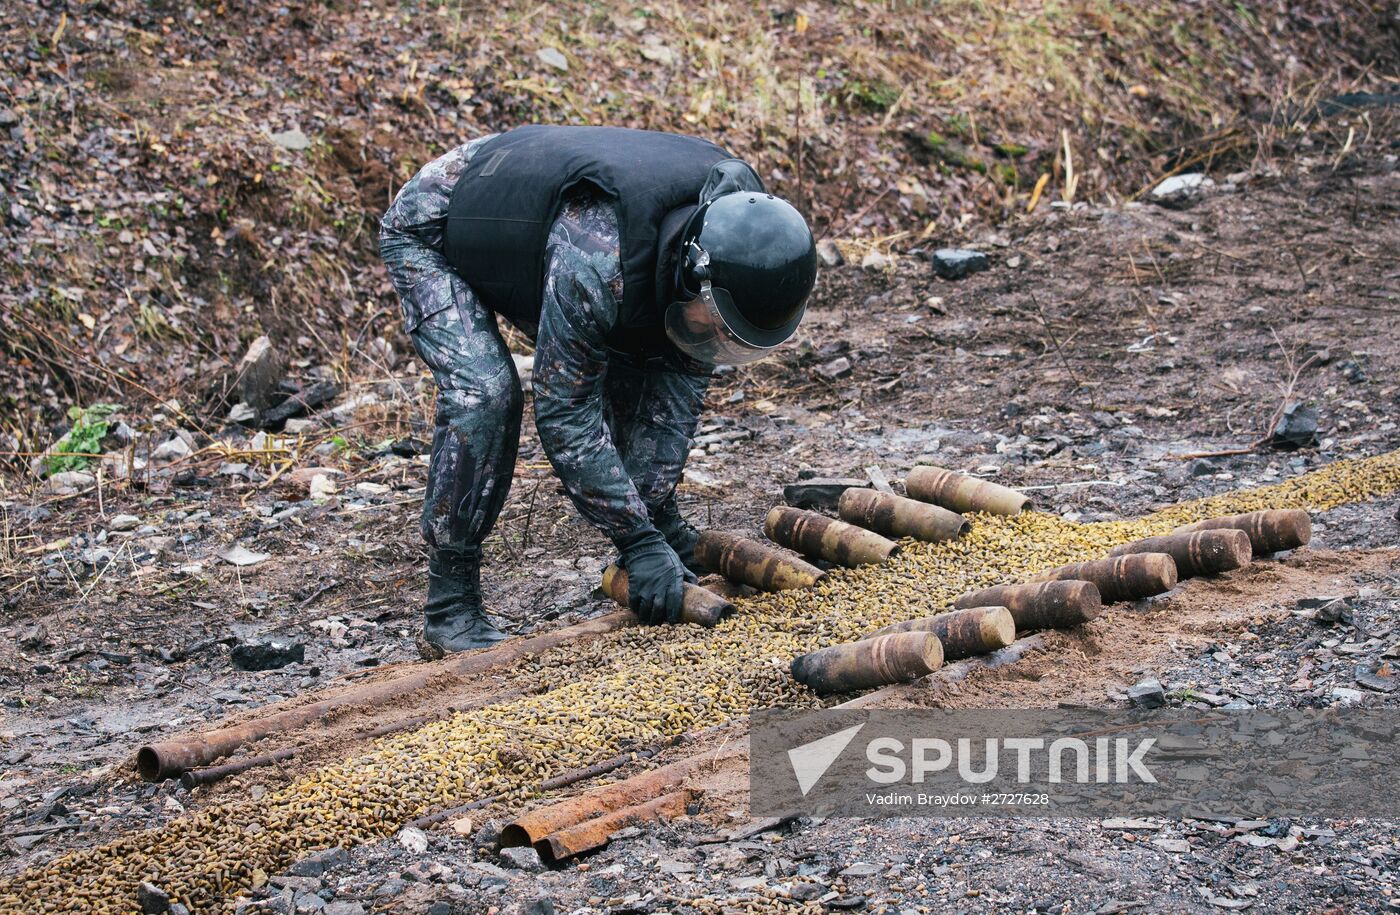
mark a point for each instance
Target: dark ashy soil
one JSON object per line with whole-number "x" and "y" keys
{"x": 1104, "y": 347}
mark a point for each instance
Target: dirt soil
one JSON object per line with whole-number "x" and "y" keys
{"x": 1102, "y": 349}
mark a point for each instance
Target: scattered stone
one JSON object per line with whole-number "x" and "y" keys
{"x": 68, "y": 482}
{"x": 820, "y": 492}
{"x": 322, "y": 488}
{"x": 1175, "y": 846}
{"x": 172, "y": 450}
{"x": 292, "y": 139}
{"x": 1147, "y": 693}
{"x": 860, "y": 869}
{"x": 956, "y": 263}
{"x": 463, "y": 826}
{"x": 259, "y": 373}
{"x": 241, "y": 556}
{"x": 1344, "y": 695}
{"x": 1297, "y": 428}
{"x": 34, "y": 636}
{"x": 267, "y": 656}
{"x": 840, "y": 367}
{"x": 316, "y": 864}
{"x": 242, "y": 414}
{"x": 8, "y": 118}
{"x": 1202, "y": 467}
{"x": 1382, "y": 678}
{"x": 300, "y": 426}
{"x": 152, "y": 899}
{"x": 343, "y": 907}
{"x": 553, "y": 57}
{"x": 1327, "y": 610}
{"x": 413, "y": 839}
{"x": 1180, "y": 191}
{"x": 829, "y": 253}
{"x": 523, "y": 858}
{"x": 124, "y": 523}
{"x": 876, "y": 261}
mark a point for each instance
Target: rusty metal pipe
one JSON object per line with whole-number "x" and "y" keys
{"x": 699, "y": 606}
{"x": 1051, "y": 605}
{"x": 1269, "y": 531}
{"x": 753, "y": 563}
{"x": 207, "y": 775}
{"x": 961, "y": 493}
{"x": 895, "y": 516}
{"x": 169, "y": 758}
{"x": 878, "y": 661}
{"x": 1129, "y": 577}
{"x": 1201, "y": 553}
{"x": 826, "y": 538}
{"x": 964, "y": 633}
{"x": 595, "y": 833}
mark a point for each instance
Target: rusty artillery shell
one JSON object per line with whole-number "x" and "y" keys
{"x": 753, "y": 563}
{"x": 895, "y": 516}
{"x": 705, "y": 608}
{"x": 1049, "y": 605}
{"x": 1201, "y": 553}
{"x": 964, "y": 633}
{"x": 1269, "y": 531}
{"x": 595, "y": 833}
{"x": 826, "y": 538}
{"x": 1128, "y": 577}
{"x": 961, "y": 493}
{"x": 869, "y": 663}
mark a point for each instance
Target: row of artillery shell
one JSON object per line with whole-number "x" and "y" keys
{"x": 869, "y": 663}
{"x": 895, "y": 516}
{"x": 964, "y": 633}
{"x": 1051, "y": 605}
{"x": 698, "y": 605}
{"x": 961, "y": 493}
{"x": 1268, "y": 531}
{"x": 1201, "y": 553}
{"x": 753, "y": 563}
{"x": 826, "y": 538}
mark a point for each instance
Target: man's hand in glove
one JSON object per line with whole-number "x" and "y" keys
{"x": 679, "y": 534}
{"x": 654, "y": 577}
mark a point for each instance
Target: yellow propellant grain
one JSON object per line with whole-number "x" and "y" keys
{"x": 632, "y": 688}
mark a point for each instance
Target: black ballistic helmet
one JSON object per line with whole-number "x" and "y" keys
{"x": 747, "y": 265}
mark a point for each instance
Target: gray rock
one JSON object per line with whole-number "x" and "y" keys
{"x": 1297, "y": 428}
{"x": 522, "y": 857}
{"x": 860, "y": 869}
{"x": 152, "y": 899}
{"x": 830, "y": 255}
{"x": 553, "y": 57}
{"x": 480, "y": 873}
{"x": 8, "y": 118}
{"x": 840, "y": 367}
{"x": 343, "y": 907}
{"x": 292, "y": 139}
{"x": 259, "y": 372}
{"x": 315, "y": 865}
{"x": 270, "y": 656}
{"x": 172, "y": 450}
{"x": 1180, "y": 191}
{"x": 1147, "y": 693}
{"x": 956, "y": 263}
{"x": 124, "y": 523}
{"x": 820, "y": 492}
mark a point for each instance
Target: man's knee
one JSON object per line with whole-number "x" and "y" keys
{"x": 493, "y": 398}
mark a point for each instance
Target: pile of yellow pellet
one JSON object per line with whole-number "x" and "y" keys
{"x": 632, "y": 688}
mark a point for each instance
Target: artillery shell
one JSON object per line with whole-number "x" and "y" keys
{"x": 869, "y": 663}
{"x": 826, "y": 538}
{"x": 895, "y": 516}
{"x": 1129, "y": 577}
{"x": 964, "y": 633}
{"x": 961, "y": 493}
{"x": 1269, "y": 531}
{"x": 1201, "y": 553}
{"x": 698, "y": 605}
{"x": 753, "y": 563}
{"x": 1051, "y": 605}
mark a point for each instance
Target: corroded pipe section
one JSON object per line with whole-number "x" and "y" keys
{"x": 753, "y": 563}
{"x": 595, "y": 833}
{"x": 879, "y": 661}
{"x": 961, "y": 493}
{"x": 1201, "y": 553}
{"x": 169, "y": 758}
{"x": 1051, "y": 605}
{"x": 207, "y": 775}
{"x": 1129, "y": 577}
{"x": 895, "y": 516}
{"x": 1269, "y": 531}
{"x": 699, "y": 606}
{"x": 964, "y": 633}
{"x": 826, "y": 538}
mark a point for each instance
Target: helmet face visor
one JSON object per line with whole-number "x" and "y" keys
{"x": 697, "y": 328}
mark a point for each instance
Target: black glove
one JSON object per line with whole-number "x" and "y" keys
{"x": 654, "y": 576}
{"x": 679, "y": 534}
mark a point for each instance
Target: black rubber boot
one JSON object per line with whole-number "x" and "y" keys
{"x": 453, "y": 618}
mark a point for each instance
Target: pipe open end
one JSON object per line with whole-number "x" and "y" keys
{"x": 148, "y": 764}
{"x": 964, "y": 528}
{"x": 514, "y": 836}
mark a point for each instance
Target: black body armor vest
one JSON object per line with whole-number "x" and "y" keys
{"x": 502, "y": 208}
